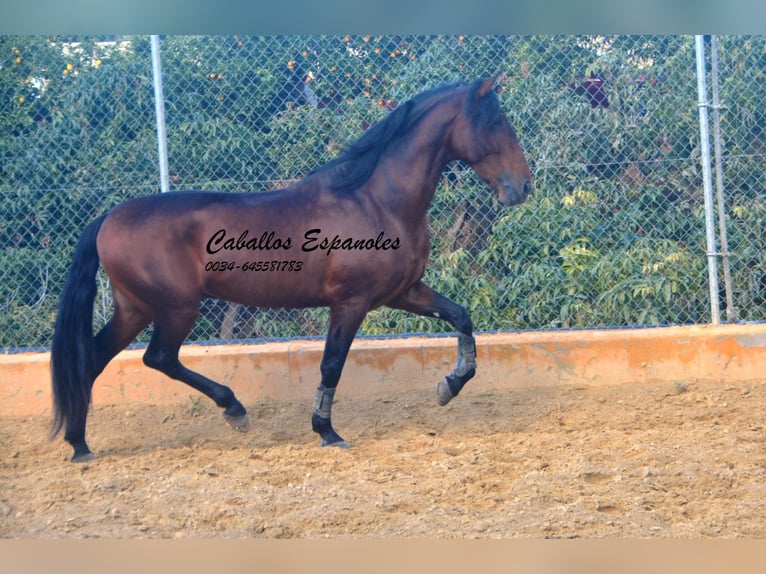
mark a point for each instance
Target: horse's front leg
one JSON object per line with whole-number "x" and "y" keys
{"x": 345, "y": 320}
{"x": 423, "y": 300}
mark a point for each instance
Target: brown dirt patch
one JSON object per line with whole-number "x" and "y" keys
{"x": 652, "y": 460}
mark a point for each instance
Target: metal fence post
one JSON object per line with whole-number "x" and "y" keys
{"x": 702, "y": 104}
{"x": 731, "y": 314}
{"x": 159, "y": 106}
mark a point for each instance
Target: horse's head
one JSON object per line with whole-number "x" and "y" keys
{"x": 483, "y": 137}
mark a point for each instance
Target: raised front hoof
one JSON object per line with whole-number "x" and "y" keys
{"x": 443, "y": 392}
{"x": 83, "y": 457}
{"x": 239, "y": 423}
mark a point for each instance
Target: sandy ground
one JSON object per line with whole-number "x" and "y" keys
{"x": 652, "y": 460}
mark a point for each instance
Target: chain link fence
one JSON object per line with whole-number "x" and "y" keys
{"x": 612, "y": 235}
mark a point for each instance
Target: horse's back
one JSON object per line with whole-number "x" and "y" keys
{"x": 176, "y": 203}
{"x": 164, "y": 247}
{"x": 150, "y": 246}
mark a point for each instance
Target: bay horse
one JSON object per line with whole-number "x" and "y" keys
{"x": 351, "y": 236}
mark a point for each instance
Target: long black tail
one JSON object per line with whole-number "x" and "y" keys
{"x": 72, "y": 353}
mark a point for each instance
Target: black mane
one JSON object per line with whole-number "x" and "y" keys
{"x": 358, "y": 161}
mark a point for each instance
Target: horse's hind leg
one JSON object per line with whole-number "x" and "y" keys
{"x": 162, "y": 354}
{"x": 423, "y": 300}
{"x": 124, "y": 325}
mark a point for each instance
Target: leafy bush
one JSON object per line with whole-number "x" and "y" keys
{"x": 613, "y": 233}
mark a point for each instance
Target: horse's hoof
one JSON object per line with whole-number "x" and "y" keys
{"x": 338, "y": 443}
{"x": 85, "y": 457}
{"x": 443, "y": 392}
{"x": 239, "y": 423}
{"x": 331, "y": 438}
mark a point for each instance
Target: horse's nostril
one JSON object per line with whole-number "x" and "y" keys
{"x": 527, "y": 187}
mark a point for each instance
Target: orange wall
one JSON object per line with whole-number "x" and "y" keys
{"x": 290, "y": 370}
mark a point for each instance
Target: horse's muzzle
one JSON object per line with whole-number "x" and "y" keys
{"x": 512, "y": 193}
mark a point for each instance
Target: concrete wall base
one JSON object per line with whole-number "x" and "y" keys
{"x": 290, "y": 370}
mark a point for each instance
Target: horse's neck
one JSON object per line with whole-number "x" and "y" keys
{"x": 408, "y": 176}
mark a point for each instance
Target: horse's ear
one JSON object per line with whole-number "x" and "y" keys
{"x": 486, "y": 86}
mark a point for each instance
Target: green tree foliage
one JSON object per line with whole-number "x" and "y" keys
{"x": 612, "y": 235}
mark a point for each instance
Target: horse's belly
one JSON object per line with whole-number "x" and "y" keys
{"x": 275, "y": 283}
